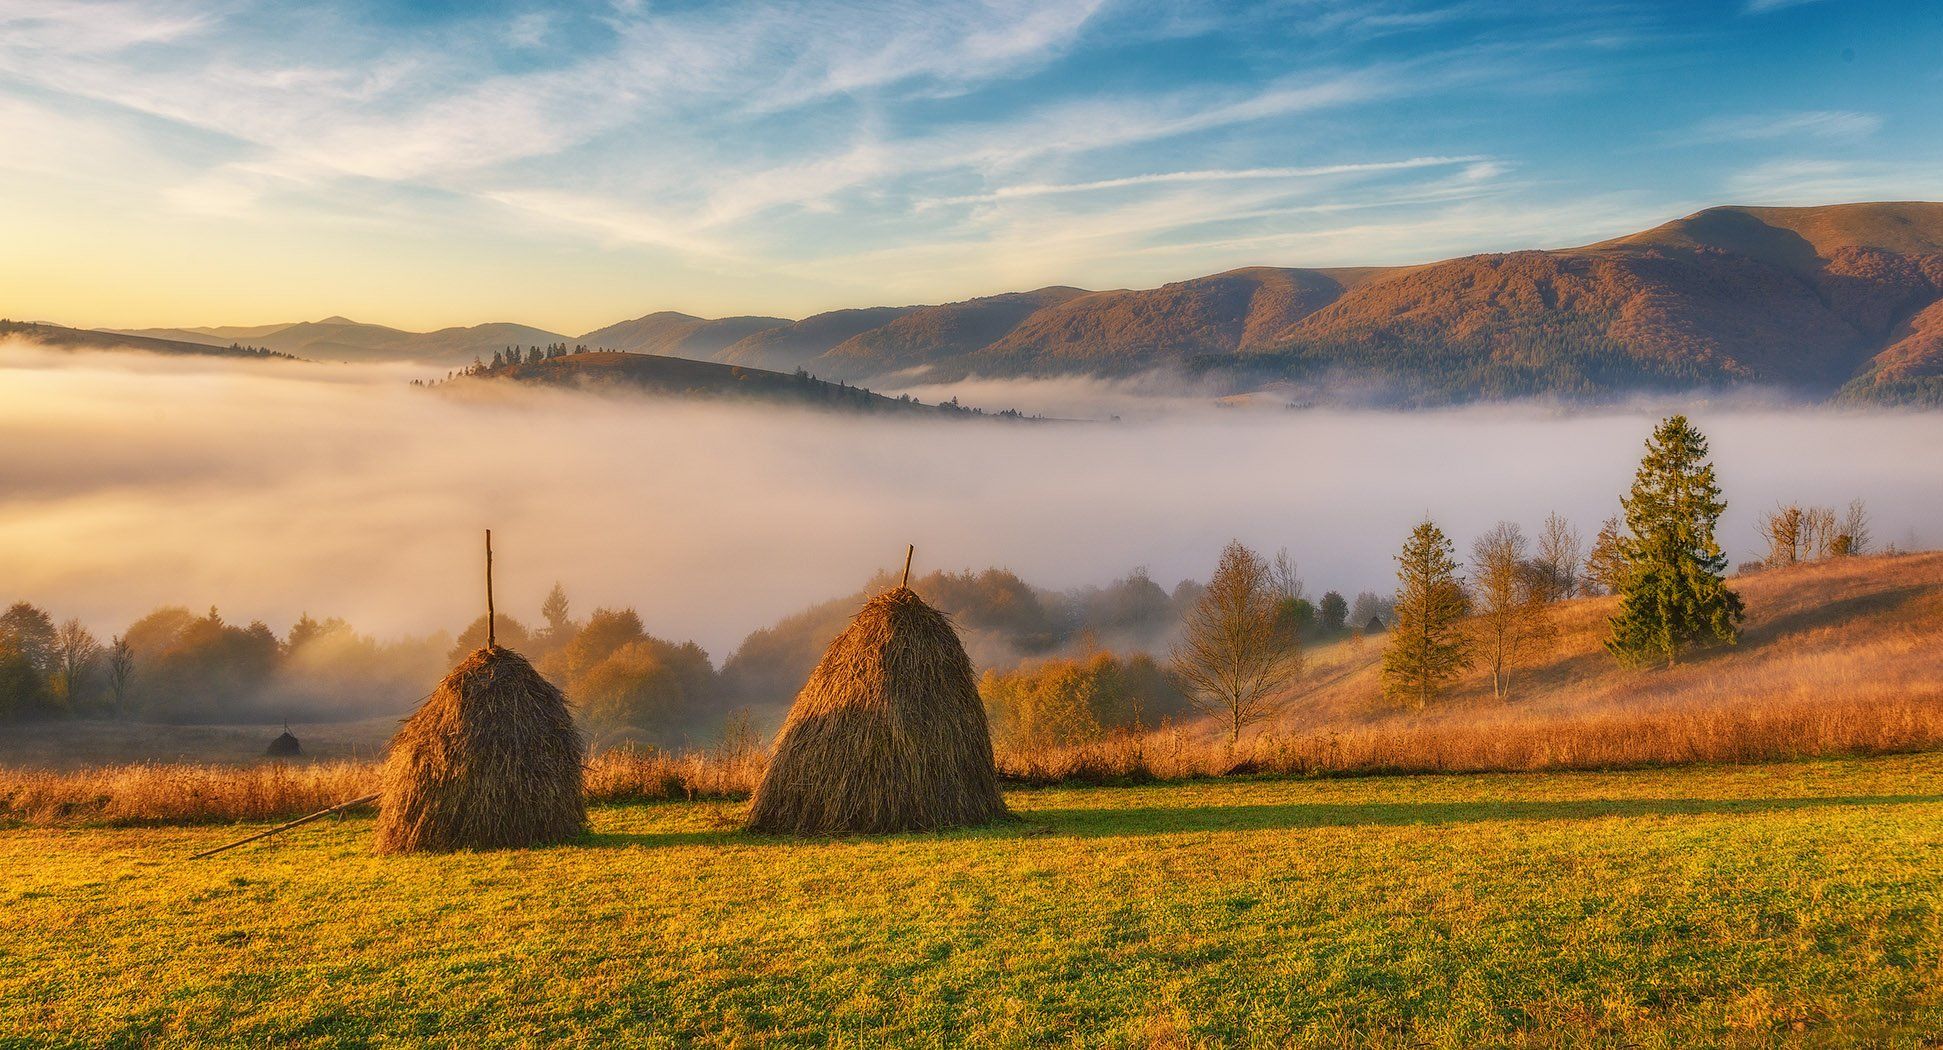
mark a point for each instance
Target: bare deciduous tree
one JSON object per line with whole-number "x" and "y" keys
{"x": 1509, "y": 603}
{"x": 1781, "y": 527}
{"x": 1818, "y": 531}
{"x": 75, "y": 652}
{"x": 1285, "y": 577}
{"x": 1233, "y": 656}
{"x": 1797, "y": 534}
{"x": 1561, "y": 552}
{"x": 121, "y": 673}
{"x": 1855, "y": 536}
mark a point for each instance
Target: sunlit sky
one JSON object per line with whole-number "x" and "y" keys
{"x": 569, "y": 166}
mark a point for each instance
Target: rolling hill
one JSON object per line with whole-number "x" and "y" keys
{"x": 86, "y": 339}
{"x": 677, "y": 376}
{"x": 342, "y": 339}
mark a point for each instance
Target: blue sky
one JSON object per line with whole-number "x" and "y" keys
{"x": 568, "y": 166}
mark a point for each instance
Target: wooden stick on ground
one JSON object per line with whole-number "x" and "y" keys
{"x": 300, "y": 821}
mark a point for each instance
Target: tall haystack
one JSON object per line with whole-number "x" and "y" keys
{"x": 284, "y": 746}
{"x": 492, "y": 759}
{"x": 888, "y": 735}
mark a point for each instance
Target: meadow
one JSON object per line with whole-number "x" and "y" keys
{"x": 1797, "y": 902}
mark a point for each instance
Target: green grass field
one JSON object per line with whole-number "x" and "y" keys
{"x": 1786, "y": 903}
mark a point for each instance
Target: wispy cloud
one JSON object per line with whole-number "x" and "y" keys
{"x": 1042, "y": 189}
{"x": 1817, "y": 123}
{"x": 1817, "y": 180}
{"x": 1762, "y": 7}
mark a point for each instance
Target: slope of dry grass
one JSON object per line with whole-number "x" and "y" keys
{"x": 1855, "y": 630}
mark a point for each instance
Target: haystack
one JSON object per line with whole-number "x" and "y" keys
{"x": 888, "y": 735}
{"x": 284, "y": 746}
{"x": 491, "y": 759}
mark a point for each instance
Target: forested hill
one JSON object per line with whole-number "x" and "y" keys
{"x": 681, "y": 377}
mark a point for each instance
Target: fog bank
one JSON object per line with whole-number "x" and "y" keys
{"x": 272, "y": 488}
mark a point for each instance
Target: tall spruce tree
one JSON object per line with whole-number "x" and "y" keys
{"x": 1674, "y": 595}
{"x": 1427, "y": 647}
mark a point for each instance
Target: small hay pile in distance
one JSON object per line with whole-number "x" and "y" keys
{"x": 888, "y": 735}
{"x": 491, "y": 760}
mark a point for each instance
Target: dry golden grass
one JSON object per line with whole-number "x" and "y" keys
{"x": 176, "y": 793}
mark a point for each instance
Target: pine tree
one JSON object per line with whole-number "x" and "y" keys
{"x": 1427, "y": 646}
{"x": 559, "y": 626}
{"x": 1674, "y": 595}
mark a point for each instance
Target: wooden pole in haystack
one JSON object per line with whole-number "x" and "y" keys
{"x": 299, "y": 822}
{"x": 909, "y": 550}
{"x": 492, "y": 637}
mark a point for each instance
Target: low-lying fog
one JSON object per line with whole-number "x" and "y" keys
{"x": 272, "y": 488}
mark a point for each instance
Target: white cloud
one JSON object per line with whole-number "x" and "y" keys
{"x": 96, "y": 28}
{"x": 1812, "y": 180}
{"x": 1041, "y": 189}
{"x": 1762, "y": 7}
{"x": 1820, "y": 124}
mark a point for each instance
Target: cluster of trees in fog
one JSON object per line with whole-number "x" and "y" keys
{"x": 173, "y": 665}
{"x": 626, "y": 683}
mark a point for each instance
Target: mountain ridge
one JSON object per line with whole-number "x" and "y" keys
{"x": 1841, "y": 301}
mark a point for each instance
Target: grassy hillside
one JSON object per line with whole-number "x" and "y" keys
{"x": 1792, "y": 903}
{"x": 1852, "y": 630}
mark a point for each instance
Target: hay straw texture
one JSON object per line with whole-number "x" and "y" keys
{"x": 492, "y": 759}
{"x": 888, "y": 735}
